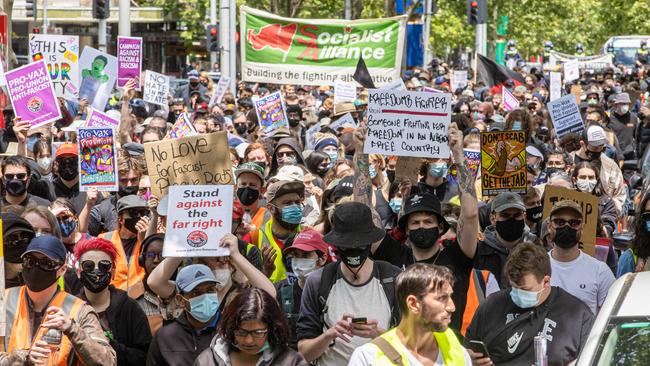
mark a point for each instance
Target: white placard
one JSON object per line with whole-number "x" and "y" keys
{"x": 219, "y": 91}
{"x": 345, "y": 121}
{"x": 344, "y": 92}
{"x": 556, "y": 86}
{"x": 571, "y": 70}
{"x": 459, "y": 80}
{"x": 565, "y": 115}
{"x": 156, "y": 88}
{"x": 397, "y": 84}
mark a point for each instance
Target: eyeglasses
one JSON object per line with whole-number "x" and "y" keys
{"x": 103, "y": 265}
{"x": 20, "y": 176}
{"x": 134, "y": 212}
{"x": 153, "y": 255}
{"x": 45, "y": 264}
{"x": 574, "y": 223}
{"x": 256, "y": 333}
{"x": 592, "y": 121}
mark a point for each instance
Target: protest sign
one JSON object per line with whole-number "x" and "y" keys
{"x": 473, "y": 160}
{"x": 408, "y": 168}
{"x": 311, "y": 135}
{"x": 192, "y": 160}
{"x": 345, "y": 121}
{"x": 3, "y": 81}
{"x": 220, "y": 90}
{"x": 99, "y": 119}
{"x": 565, "y": 115}
{"x": 318, "y": 51}
{"x": 129, "y": 60}
{"x": 596, "y": 62}
{"x": 199, "y": 216}
{"x": 397, "y": 84}
{"x": 97, "y": 159}
{"x": 556, "y": 86}
{"x": 32, "y": 94}
{"x": 408, "y": 123}
{"x": 571, "y": 70}
{"x": 156, "y": 88}
{"x": 589, "y": 205}
{"x": 271, "y": 113}
{"x": 182, "y": 127}
{"x": 98, "y": 77}
{"x": 431, "y": 90}
{"x": 510, "y": 102}
{"x": 459, "y": 80}
{"x": 61, "y": 56}
{"x": 344, "y": 92}
{"x": 503, "y": 162}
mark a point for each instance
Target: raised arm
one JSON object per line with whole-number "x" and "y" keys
{"x": 362, "y": 181}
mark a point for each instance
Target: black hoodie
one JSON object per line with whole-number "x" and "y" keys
{"x": 293, "y": 144}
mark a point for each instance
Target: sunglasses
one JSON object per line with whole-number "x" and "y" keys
{"x": 20, "y": 176}
{"x": 138, "y": 213}
{"x": 574, "y": 223}
{"x": 286, "y": 154}
{"x": 103, "y": 265}
{"x": 45, "y": 264}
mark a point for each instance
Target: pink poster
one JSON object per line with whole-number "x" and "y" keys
{"x": 129, "y": 60}
{"x": 99, "y": 119}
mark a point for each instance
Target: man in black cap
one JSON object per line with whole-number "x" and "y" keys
{"x": 354, "y": 298}
{"x": 16, "y": 234}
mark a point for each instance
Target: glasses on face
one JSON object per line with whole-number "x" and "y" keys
{"x": 255, "y": 333}
{"x": 574, "y": 223}
{"x": 286, "y": 154}
{"x": 20, "y": 240}
{"x": 592, "y": 121}
{"x": 45, "y": 264}
{"x": 153, "y": 255}
{"x": 554, "y": 164}
{"x": 138, "y": 212}
{"x": 20, "y": 176}
{"x": 103, "y": 265}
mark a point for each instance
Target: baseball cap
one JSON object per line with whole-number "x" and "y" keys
{"x": 193, "y": 275}
{"x": 534, "y": 151}
{"x": 134, "y": 148}
{"x": 507, "y": 200}
{"x": 566, "y": 205}
{"x": 12, "y": 223}
{"x": 250, "y": 167}
{"x": 308, "y": 240}
{"x": 280, "y": 188}
{"x": 130, "y": 201}
{"x": 49, "y": 246}
{"x": 193, "y": 75}
{"x": 596, "y": 136}
{"x": 67, "y": 149}
{"x": 422, "y": 202}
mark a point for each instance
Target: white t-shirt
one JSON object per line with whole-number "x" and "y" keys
{"x": 366, "y": 354}
{"x": 585, "y": 277}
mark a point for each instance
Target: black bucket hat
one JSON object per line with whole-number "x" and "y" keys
{"x": 353, "y": 227}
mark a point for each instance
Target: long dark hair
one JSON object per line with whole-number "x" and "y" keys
{"x": 254, "y": 304}
{"x": 598, "y": 190}
{"x": 640, "y": 245}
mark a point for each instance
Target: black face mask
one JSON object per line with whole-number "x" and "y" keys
{"x": 424, "y": 238}
{"x": 37, "y": 279}
{"x": 293, "y": 122}
{"x": 534, "y": 213}
{"x": 124, "y": 191}
{"x": 511, "y": 229}
{"x": 241, "y": 129}
{"x": 130, "y": 224}
{"x": 390, "y": 174}
{"x": 15, "y": 187}
{"x": 247, "y": 195}
{"x": 194, "y": 84}
{"x": 95, "y": 281}
{"x": 354, "y": 258}
{"x": 550, "y": 171}
{"x": 68, "y": 171}
{"x": 566, "y": 237}
{"x": 322, "y": 170}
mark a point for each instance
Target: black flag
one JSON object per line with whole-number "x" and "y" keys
{"x": 362, "y": 75}
{"x": 493, "y": 74}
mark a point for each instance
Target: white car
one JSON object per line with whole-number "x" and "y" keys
{"x": 621, "y": 332}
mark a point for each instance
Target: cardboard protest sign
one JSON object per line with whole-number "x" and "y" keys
{"x": 459, "y": 80}
{"x": 408, "y": 123}
{"x": 571, "y": 70}
{"x": 503, "y": 162}
{"x": 271, "y": 113}
{"x": 565, "y": 115}
{"x": 576, "y": 91}
{"x": 589, "y": 204}
{"x": 408, "y": 168}
{"x": 311, "y": 136}
{"x": 220, "y": 90}
{"x": 182, "y": 127}
{"x": 98, "y": 77}
{"x": 473, "y": 160}
{"x": 129, "y": 60}
{"x": 510, "y": 102}
{"x": 193, "y": 160}
{"x": 345, "y": 121}
{"x": 156, "y": 88}
{"x": 556, "y": 86}
{"x": 199, "y": 216}
{"x": 99, "y": 119}
{"x": 61, "y": 56}
{"x": 97, "y": 159}
{"x": 32, "y": 94}
{"x": 344, "y": 92}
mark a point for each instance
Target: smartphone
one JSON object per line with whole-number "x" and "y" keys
{"x": 360, "y": 320}
{"x": 478, "y": 347}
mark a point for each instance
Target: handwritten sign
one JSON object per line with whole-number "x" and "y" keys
{"x": 199, "y": 216}
{"x": 510, "y": 102}
{"x": 32, "y": 94}
{"x": 565, "y": 115}
{"x": 556, "y": 86}
{"x": 589, "y": 205}
{"x": 193, "y": 160}
{"x": 99, "y": 119}
{"x": 271, "y": 113}
{"x": 61, "y": 56}
{"x": 571, "y": 70}
{"x": 129, "y": 60}
{"x": 156, "y": 88}
{"x": 408, "y": 168}
{"x": 503, "y": 162}
{"x": 97, "y": 159}
{"x": 222, "y": 87}
{"x": 344, "y": 92}
{"x": 459, "y": 80}
{"x": 181, "y": 128}
{"x": 408, "y": 123}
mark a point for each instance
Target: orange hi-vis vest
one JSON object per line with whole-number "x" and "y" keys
{"x": 475, "y": 296}
{"x": 18, "y": 329}
{"x": 128, "y": 274}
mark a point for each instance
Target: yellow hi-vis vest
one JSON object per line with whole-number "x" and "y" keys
{"x": 265, "y": 239}
{"x": 450, "y": 347}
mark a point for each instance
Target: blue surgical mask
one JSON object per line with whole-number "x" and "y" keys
{"x": 516, "y": 126}
{"x": 438, "y": 170}
{"x": 523, "y": 298}
{"x": 333, "y": 156}
{"x": 31, "y": 141}
{"x": 647, "y": 225}
{"x": 372, "y": 171}
{"x": 292, "y": 214}
{"x": 67, "y": 227}
{"x": 203, "y": 308}
{"x": 395, "y": 204}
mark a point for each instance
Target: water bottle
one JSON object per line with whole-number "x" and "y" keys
{"x": 53, "y": 339}
{"x": 247, "y": 216}
{"x": 540, "y": 351}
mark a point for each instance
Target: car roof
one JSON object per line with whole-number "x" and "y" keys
{"x": 636, "y": 299}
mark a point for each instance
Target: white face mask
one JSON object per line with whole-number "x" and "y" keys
{"x": 44, "y": 164}
{"x": 624, "y": 108}
{"x": 302, "y": 267}
{"x": 586, "y": 185}
{"x": 223, "y": 277}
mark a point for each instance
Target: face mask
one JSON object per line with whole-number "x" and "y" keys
{"x": 511, "y": 229}
{"x": 302, "y": 267}
{"x": 69, "y": 171}
{"x": 241, "y": 129}
{"x": 289, "y": 160}
{"x": 15, "y": 187}
{"x": 623, "y": 109}
{"x": 550, "y": 171}
{"x": 95, "y": 281}
{"x": 438, "y": 170}
{"x": 247, "y": 195}
{"x": 44, "y": 164}
{"x": 566, "y": 237}
{"x": 264, "y": 348}
{"x": 127, "y": 191}
{"x": 292, "y": 214}
{"x": 390, "y": 174}
{"x": 372, "y": 171}
{"x": 592, "y": 101}
{"x": 524, "y": 299}
{"x": 479, "y": 116}
{"x": 333, "y": 155}
{"x": 424, "y": 238}
{"x": 37, "y": 279}
{"x": 395, "y": 204}
{"x": 223, "y": 277}
{"x": 130, "y": 224}
{"x": 293, "y": 122}
{"x": 67, "y": 227}
{"x": 354, "y": 258}
{"x": 516, "y": 126}
{"x": 203, "y": 308}
{"x": 534, "y": 213}
{"x": 31, "y": 141}
{"x": 586, "y": 185}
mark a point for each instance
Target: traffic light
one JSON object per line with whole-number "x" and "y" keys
{"x": 30, "y": 7}
{"x": 212, "y": 37}
{"x": 476, "y": 12}
{"x": 101, "y": 9}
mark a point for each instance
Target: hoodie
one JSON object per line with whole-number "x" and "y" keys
{"x": 217, "y": 355}
{"x": 293, "y": 144}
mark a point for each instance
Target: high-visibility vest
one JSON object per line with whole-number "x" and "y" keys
{"x": 128, "y": 274}
{"x": 450, "y": 348}
{"x": 18, "y": 329}
{"x": 266, "y": 240}
{"x": 258, "y": 220}
{"x": 475, "y": 297}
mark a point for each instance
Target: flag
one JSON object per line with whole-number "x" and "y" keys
{"x": 493, "y": 74}
{"x": 362, "y": 75}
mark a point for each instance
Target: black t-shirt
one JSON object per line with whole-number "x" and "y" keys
{"x": 450, "y": 256}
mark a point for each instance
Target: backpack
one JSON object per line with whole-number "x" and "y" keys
{"x": 383, "y": 271}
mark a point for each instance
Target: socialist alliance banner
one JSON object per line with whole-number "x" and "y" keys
{"x": 318, "y": 51}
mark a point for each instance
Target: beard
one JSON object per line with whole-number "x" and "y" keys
{"x": 427, "y": 321}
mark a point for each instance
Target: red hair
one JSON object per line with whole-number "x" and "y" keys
{"x": 102, "y": 245}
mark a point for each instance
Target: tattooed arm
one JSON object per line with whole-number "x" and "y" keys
{"x": 467, "y": 230}
{"x": 362, "y": 181}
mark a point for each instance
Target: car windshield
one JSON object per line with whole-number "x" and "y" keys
{"x": 625, "y": 56}
{"x": 626, "y": 343}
